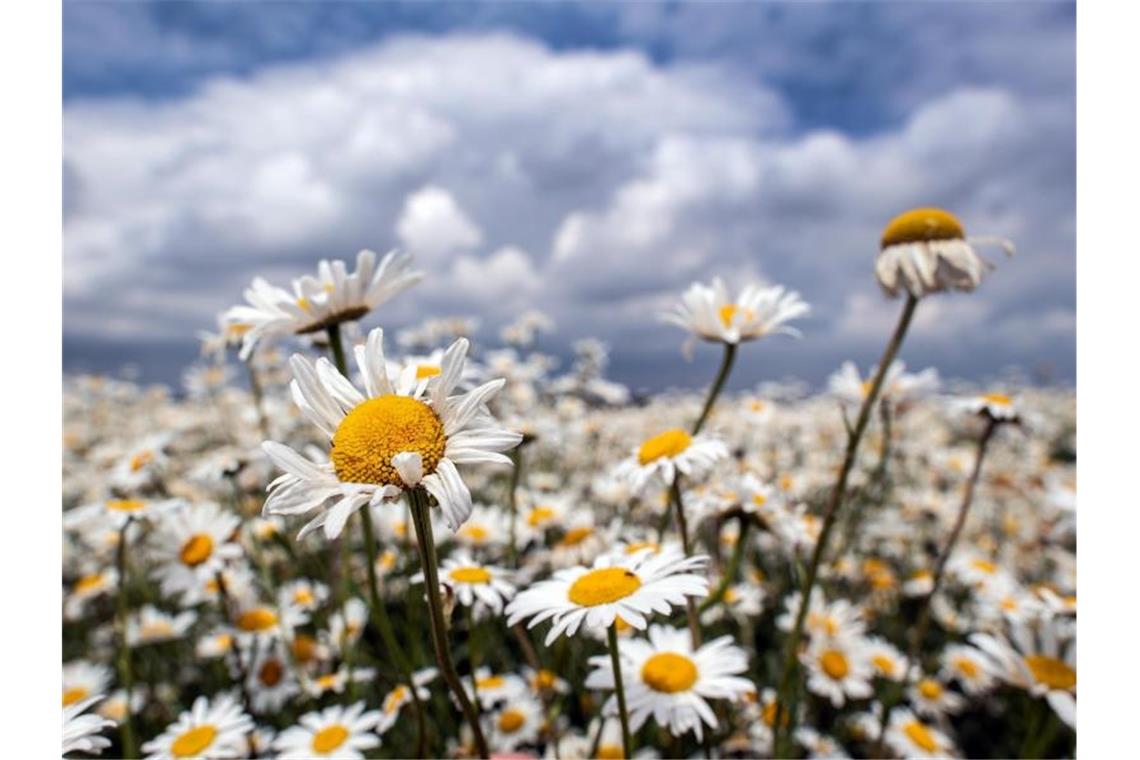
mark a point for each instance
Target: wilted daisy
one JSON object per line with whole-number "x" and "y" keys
{"x": 209, "y": 729}
{"x": 838, "y": 668}
{"x": 665, "y": 454}
{"x": 911, "y": 737}
{"x": 632, "y": 586}
{"x": 334, "y": 296}
{"x": 925, "y": 250}
{"x": 81, "y": 732}
{"x": 337, "y": 731}
{"x": 383, "y": 442}
{"x": 666, "y": 678}
{"x": 517, "y": 722}
{"x": 709, "y": 313}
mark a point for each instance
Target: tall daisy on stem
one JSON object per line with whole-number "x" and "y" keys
{"x": 922, "y": 251}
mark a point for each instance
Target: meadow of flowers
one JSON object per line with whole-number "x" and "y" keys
{"x": 346, "y": 541}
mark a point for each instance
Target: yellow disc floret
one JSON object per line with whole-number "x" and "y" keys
{"x": 669, "y": 672}
{"x": 603, "y": 586}
{"x": 834, "y": 664}
{"x": 470, "y": 575}
{"x": 921, "y": 225}
{"x": 511, "y": 721}
{"x": 379, "y": 429}
{"x": 667, "y": 444}
{"x": 329, "y": 738}
{"x": 193, "y": 742}
{"x": 197, "y": 550}
{"x": 919, "y": 734}
{"x": 1051, "y": 672}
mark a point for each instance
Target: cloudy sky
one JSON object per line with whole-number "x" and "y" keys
{"x": 587, "y": 160}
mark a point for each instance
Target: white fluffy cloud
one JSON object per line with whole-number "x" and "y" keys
{"x": 433, "y": 225}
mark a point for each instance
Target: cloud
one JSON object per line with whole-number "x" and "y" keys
{"x": 432, "y": 224}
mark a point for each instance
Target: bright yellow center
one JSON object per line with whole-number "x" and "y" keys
{"x": 379, "y": 429}
{"x": 470, "y": 575}
{"x": 193, "y": 742}
{"x": 637, "y": 546}
{"x": 885, "y": 664}
{"x": 89, "y": 582}
{"x": 575, "y": 536}
{"x": 394, "y": 699}
{"x": 967, "y": 667}
{"x": 603, "y": 586}
{"x": 544, "y": 679}
{"x": 759, "y": 499}
{"x": 424, "y": 371}
{"x": 197, "y": 550}
{"x": 728, "y": 312}
{"x": 73, "y": 695}
{"x": 984, "y": 566}
{"x": 329, "y": 738}
{"x": 125, "y": 505}
{"x": 997, "y": 399}
{"x": 270, "y": 673}
{"x": 303, "y": 596}
{"x": 141, "y": 460}
{"x": 667, "y": 444}
{"x": 511, "y": 721}
{"x": 257, "y": 619}
{"x": 921, "y": 225}
{"x": 1051, "y": 672}
{"x": 929, "y": 688}
{"x": 919, "y": 734}
{"x": 611, "y": 752}
{"x": 834, "y": 664}
{"x": 669, "y": 672}
{"x": 490, "y": 682}
{"x": 327, "y": 681}
{"x": 475, "y": 532}
{"x": 304, "y": 648}
{"x": 538, "y": 516}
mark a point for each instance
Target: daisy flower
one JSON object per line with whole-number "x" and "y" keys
{"x": 543, "y": 681}
{"x": 334, "y": 296}
{"x": 346, "y": 625}
{"x": 998, "y": 407}
{"x": 89, "y": 586}
{"x": 516, "y": 722}
{"x": 82, "y": 679}
{"x": 115, "y": 513}
{"x": 151, "y": 625}
{"x": 849, "y": 387}
{"x": 911, "y": 737}
{"x": 337, "y": 731}
{"x": 192, "y": 544}
{"x": 665, "y": 454}
{"x": 931, "y": 697}
{"x": 839, "y": 669}
{"x": 337, "y": 681}
{"x": 264, "y": 624}
{"x": 401, "y": 695}
{"x": 969, "y": 667}
{"x": 114, "y": 707}
{"x": 632, "y": 587}
{"x": 1041, "y": 661}
{"x": 473, "y": 582}
{"x": 496, "y": 687}
{"x": 925, "y": 250}
{"x": 384, "y": 442}
{"x": 709, "y": 313}
{"x": 81, "y": 732}
{"x": 209, "y": 729}
{"x": 304, "y": 594}
{"x": 665, "y": 678}
{"x": 484, "y": 528}
{"x": 889, "y": 662}
{"x": 271, "y": 683}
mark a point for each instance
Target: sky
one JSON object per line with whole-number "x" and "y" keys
{"x": 588, "y": 160}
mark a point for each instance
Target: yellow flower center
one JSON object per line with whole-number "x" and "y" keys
{"x": 304, "y": 648}
{"x": 918, "y": 733}
{"x": 329, "y": 738}
{"x": 197, "y": 550}
{"x": 544, "y": 679}
{"x": 929, "y": 688}
{"x": 490, "y": 682}
{"x": 728, "y": 312}
{"x": 603, "y": 586}
{"x": 637, "y": 546}
{"x": 193, "y": 742}
{"x": 834, "y": 664}
{"x": 379, "y": 429}
{"x": 921, "y": 225}
{"x": 327, "y": 681}
{"x": 511, "y": 721}
{"x": 967, "y": 667}
{"x": 424, "y": 371}
{"x": 759, "y": 499}
{"x": 667, "y": 444}
{"x": 475, "y": 532}
{"x": 73, "y": 695}
{"x": 997, "y": 399}
{"x": 395, "y": 699}
{"x": 621, "y": 625}
{"x": 470, "y": 575}
{"x": 303, "y": 596}
{"x": 1051, "y": 672}
{"x": 257, "y": 619}
{"x": 125, "y": 505}
{"x": 156, "y": 629}
{"x": 884, "y": 664}
{"x": 141, "y": 460}
{"x": 730, "y": 595}
{"x": 669, "y": 672}
{"x": 538, "y": 516}
{"x": 611, "y": 752}
{"x": 270, "y": 673}
{"x": 88, "y": 582}
{"x": 575, "y": 536}
{"x": 984, "y": 566}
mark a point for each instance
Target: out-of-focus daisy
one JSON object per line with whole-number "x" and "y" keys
{"x": 81, "y": 731}
{"x": 151, "y": 625}
{"x": 209, "y": 729}
{"x": 383, "y": 442}
{"x": 114, "y": 707}
{"x": 931, "y": 697}
{"x": 303, "y": 594}
{"x": 888, "y": 660}
{"x": 740, "y": 601}
{"x": 543, "y": 681}
{"x": 496, "y": 687}
{"x": 485, "y": 527}
{"x": 346, "y": 625}
{"x": 264, "y": 624}
{"x": 336, "y": 681}
{"x": 969, "y": 667}
{"x": 709, "y": 313}
{"x": 191, "y": 544}
{"x": 517, "y": 722}
{"x": 818, "y": 745}
{"x": 999, "y": 407}
{"x": 664, "y": 677}
{"x": 911, "y": 737}
{"x": 82, "y": 679}
{"x": 338, "y": 731}
{"x": 839, "y": 669}
{"x": 925, "y": 250}
{"x": 473, "y": 581}
{"x": 665, "y": 454}
{"x": 1040, "y": 659}
{"x": 142, "y": 464}
{"x": 271, "y": 682}
{"x": 334, "y": 296}
{"x": 632, "y": 587}
{"x": 401, "y": 695}
{"x": 115, "y": 512}
{"x": 898, "y": 385}
{"x": 215, "y": 644}
{"x": 87, "y": 587}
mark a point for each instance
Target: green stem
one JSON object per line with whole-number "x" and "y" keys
{"x": 512, "y": 503}
{"x": 126, "y": 728}
{"x": 718, "y": 383}
{"x": 619, "y": 690}
{"x": 835, "y": 503}
{"x": 683, "y": 529}
{"x": 258, "y": 394}
{"x": 418, "y": 501}
{"x": 733, "y": 567}
{"x": 340, "y": 548}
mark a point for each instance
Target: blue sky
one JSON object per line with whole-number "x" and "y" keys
{"x": 586, "y": 159}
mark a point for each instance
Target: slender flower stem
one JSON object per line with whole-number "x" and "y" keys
{"x": 683, "y": 529}
{"x": 243, "y": 671}
{"x": 258, "y": 394}
{"x": 340, "y": 563}
{"x": 718, "y": 383}
{"x": 417, "y": 498}
{"x": 733, "y": 565}
{"x": 619, "y": 689}
{"x": 940, "y": 567}
{"x": 384, "y": 624}
{"x": 126, "y": 728}
{"x": 512, "y": 503}
{"x": 834, "y": 506}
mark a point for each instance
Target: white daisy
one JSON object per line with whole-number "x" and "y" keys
{"x": 898, "y": 385}
{"x": 999, "y": 407}
{"x": 81, "y": 732}
{"x": 911, "y": 737}
{"x": 665, "y": 454}
{"x": 383, "y": 442}
{"x": 969, "y": 667}
{"x": 473, "y": 582}
{"x": 664, "y": 677}
{"x": 709, "y": 313}
{"x": 632, "y": 587}
{"x": 82, "y": 679}
{"x": 838, "y": 668}
{"x": 190, "y": 545}
{"x": 930, "y": 697}
{"x": 495, "y": 687}
{"x": 1041, "y": 659}
{"x": 207, "y": 730}
{"x": 401, "y": 695}
{"x": 151, "y": 625}
{"x": 87, "y": 587}
{"x": 516, "y": 722}
{"x": 337, "y": 731}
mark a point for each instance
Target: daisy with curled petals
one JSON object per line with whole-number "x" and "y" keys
{"x": 81, "y": 731}
{"x": 1041, "y": 659}
{"x": 709, "y": 313}
{"x": 911, "y": 737}
{"x": 662, "y": 456}
{"x": 473, "y": 582}
{"x": 632, "y": 587}
{"x": 666, "y": 678}
{"x": 384, "y": 443}
{"x": 191, "y": 544}
{"x": 316, "y": 303}
{"x": 208, "y": 729}
{"x": 336, "y": 731}
{"x": 925, "y": 250}
{"x": 401, "y": 695}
